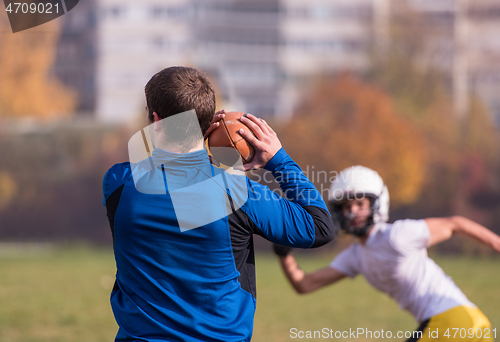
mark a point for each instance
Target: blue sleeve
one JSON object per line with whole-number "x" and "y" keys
{"x": 115, "y": 177}
{"x": 294, "y": 183}
{"x": 296, "y": 220}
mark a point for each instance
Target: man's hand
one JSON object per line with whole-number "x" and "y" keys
{"x": 215, "y": 122}
{"x": 264, "y": 140}
{"x": 213, "y": 125}
{"x": 281, "y": 251}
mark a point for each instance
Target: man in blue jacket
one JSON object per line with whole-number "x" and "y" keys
{"x": 183, "y": 229}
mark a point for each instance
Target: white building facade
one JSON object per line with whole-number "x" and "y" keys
{"x": 261, "y": 53}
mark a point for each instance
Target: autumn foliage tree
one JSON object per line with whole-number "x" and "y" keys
{"x": 346, "y": 122}
{"x": 26, "y": 86}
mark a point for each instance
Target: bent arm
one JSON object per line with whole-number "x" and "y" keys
{"x": 442, "y": 229}
{"x": 298, "y": 189}
{"x": 299, "y": 219}
{"x": 304, "y": 282}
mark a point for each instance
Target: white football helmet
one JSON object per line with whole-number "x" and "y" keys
{"x": 353, "y": 183}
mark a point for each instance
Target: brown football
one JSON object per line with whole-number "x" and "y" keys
{"x": 225, "y": 143}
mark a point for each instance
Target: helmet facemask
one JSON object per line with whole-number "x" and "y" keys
{"x": 343, "y": 220}
{"x": 355, "y": 183}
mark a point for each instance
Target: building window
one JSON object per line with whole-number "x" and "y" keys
{"x": 160, "y": 43}
{"x": 320, "y": 12}
{"x": 169, "y": 12}
{"x": 116, "y": 11}
{"x": 177, "y": 12}
{"x": 89, "y": 51}
{"x": 296, "y": 12}
{"x": 159, "y": 12}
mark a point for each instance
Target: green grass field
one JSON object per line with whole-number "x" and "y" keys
{"x": 62, "y": 295}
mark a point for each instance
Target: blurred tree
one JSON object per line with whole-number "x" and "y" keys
{"x": 479, "y": 134}
{"x": 51, "y": 181}
{"x": 406, "y": 66}
{"x": 347, "y": 122}
{"x": 26, "y": 86}
{"x": 8, "y": 189}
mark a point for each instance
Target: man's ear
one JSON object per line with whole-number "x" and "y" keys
{"x": 156, "y": 121}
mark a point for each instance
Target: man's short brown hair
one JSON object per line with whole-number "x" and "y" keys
{"x": 178, "y": 89}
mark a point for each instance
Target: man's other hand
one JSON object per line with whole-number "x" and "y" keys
{"x": 264, "y": 140}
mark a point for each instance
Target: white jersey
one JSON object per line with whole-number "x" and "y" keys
{"x": 394, "y": 260}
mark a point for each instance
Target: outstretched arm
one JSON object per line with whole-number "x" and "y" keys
{"x": 442, "y": 229}
{"x": 304, "y": 282}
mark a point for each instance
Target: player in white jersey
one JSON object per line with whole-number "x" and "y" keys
{"x": 393, "y": 258}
